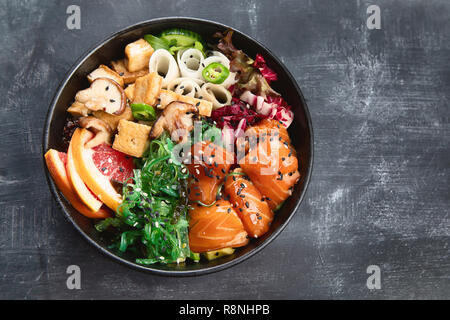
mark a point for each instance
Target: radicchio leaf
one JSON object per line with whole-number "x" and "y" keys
{"x": 267, "y": 73}
{"x": 281, "y": 111}
{"x": 231, "y": 115}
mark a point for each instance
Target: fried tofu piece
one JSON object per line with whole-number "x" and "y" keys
{"x": 113, "y": 120}
{"x": 104, "y": 72}
{"x": 138, "y": 55}
{"x": 78, "y": 109}
{"x": 127, "y": 76}
{"x": 147, "y": 88}
{"x": 132, "y": 138}
{"x": 167, "y": 96}
{"x": 129, "y": 92}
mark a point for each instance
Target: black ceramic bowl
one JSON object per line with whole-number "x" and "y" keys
{"x": 113, "y": 48}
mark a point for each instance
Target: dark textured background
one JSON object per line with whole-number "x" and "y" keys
{"x": 379, "y": 194}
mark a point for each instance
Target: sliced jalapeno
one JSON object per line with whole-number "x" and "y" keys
{"x": 142, "y": 111}
{"x": 215, "y": 73}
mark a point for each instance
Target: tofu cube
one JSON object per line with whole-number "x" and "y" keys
{"x": 167, "y": 96}
{"x": 132, "y": 138}
{"x": 146, "y": 89}
{"x": 104, "y": 72}
{"x": 129, "y": 92}
{"x": 122, "y": 71}
{"x": 204, "y": 106}
{"x": 138, "y": 55}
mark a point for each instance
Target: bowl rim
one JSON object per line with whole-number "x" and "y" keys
{"x": 111, "y": 255}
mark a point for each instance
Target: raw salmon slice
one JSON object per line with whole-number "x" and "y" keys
{"x": 273, "y": 168}
{"x": 209, "y": 166}
{"x": 215, "y": 227}
{"x": 267, "y": 125}
{"x": 249, "y": 204}
{"x": 263, "y": 131}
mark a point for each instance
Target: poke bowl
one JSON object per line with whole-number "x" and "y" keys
{"x": 124, "y": 108}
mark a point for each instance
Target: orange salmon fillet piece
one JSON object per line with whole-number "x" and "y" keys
{"x": 215, "y": 227}
{"x": 208, "y": 168}
{"x": 250, "y": 206}
{"x": 273, "y": 168}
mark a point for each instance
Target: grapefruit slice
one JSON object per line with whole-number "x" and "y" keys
{"x": 86, "y": 195}
{"x": 56, "y": 164}
{"x": 89, "y": 173}
{"x": 112, "y": 163}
